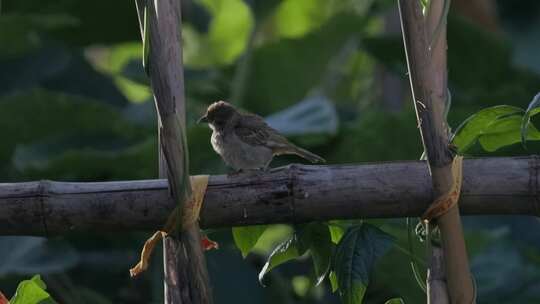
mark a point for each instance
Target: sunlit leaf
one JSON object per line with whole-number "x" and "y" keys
{"x": 230, "y": 27}
{"x": 336, "y": 233}
{"x": 294, "y": 18}
{"x": 532, "y": 109}
{"x": 504, "y": 132}
{"x": 274, "y": 234}
{"x": 32, "y": 292}
{"x": 246, "y": 237}
{"x": 333, "y": 281}
{"x": 477, "y": 124}
{"x": 355, "y": 256}
{"x": 300, "y": 285}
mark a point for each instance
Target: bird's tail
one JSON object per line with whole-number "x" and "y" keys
{"x": 314, "y": 158}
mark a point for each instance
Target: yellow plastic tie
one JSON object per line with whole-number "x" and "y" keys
{"x": 192, "y": 209}
{"x": 450, "y": 199}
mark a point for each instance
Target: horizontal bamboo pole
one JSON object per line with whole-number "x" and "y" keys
{"x": 291, "y": 194}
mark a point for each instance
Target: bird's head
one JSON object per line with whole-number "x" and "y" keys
{"x": 219, "y": 114}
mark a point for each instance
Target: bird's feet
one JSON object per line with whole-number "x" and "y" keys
{"x": 246, "y": 173}
{"x": 235, "y": 173}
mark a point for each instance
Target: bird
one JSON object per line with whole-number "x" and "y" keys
{"x": 245, "y": 141}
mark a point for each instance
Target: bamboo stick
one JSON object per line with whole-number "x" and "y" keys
{"x": 292, "y": 194}
{"x": 185, "y": 275}
{"x": 425, "y": 49}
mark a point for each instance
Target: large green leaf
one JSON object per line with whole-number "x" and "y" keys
{"x": 477, "y": 124}
{"x": 32, "y": 292}
{"x": 355, "y": 256}
{"x": 40, "y": 128}
{"x": 246, "y": 237}
{"x": 316, "y": 237}
{"x": 58, "y": 69}
{"x": 227, "y": 37}
{"x": 294, "y": 18}
{"x": 313, "y": 237}
{"x": 284, "y": 252}
{"x": 296, "y": 66}
{"x": 395, "y": 301}
{"x": 532, "y": 109}
{"x": 504, "y": 132}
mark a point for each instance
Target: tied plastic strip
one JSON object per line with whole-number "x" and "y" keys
{"x": 450, "y": 199}
{"x": 192, "y": 208}
{"x": 446, "y": 202}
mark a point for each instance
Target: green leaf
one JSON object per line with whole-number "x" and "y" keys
{"x": 532, "y": 109}
{"x": 316, "y": 237}
{"x": 96, "y": 131}
{"x": 336, "y": 233}
{"x": 301, "y": 61}
{"x": 284, "y": 252}
{"x": 31, "y": 292}
{"x": 354, "y": 294}
{"x": 477, "y": 124}
{"x": 228, "y": 34}
{"x": 355, "y": 257}
{"x": 504, "y": 132}
{"x": 333, "y": 281}
{"x": 246, "y": 237}
{"x": 395, "y": 301}
{"x": 295, "y": 18}
{"x": 301, "y": 285}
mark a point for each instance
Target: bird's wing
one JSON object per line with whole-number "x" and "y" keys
{"x": 253, "y": 130}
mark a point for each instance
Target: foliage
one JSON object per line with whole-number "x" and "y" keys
{"x": 32, "y": 292}
{"x": 355, "y": 257}
{"x": 245, "y": 238}
{"x": 498, "y": 126}
{"x": 351, "y": 261}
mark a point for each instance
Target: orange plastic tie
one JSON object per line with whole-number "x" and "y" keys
{"x": 450, "y": 199}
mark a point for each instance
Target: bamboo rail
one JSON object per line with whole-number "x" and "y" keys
{"x": 292, "y": 194}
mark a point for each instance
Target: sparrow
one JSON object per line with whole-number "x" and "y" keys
{"x": 244, "y": 140}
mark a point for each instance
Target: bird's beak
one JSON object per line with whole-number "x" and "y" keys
{"x": 203, "y": 119}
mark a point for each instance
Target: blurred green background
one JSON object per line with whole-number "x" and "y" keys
{"x": 75, "y": 106}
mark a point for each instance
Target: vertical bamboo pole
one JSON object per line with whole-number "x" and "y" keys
{"x": 425, "y": 48}
{"x": 185, "y": 274}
